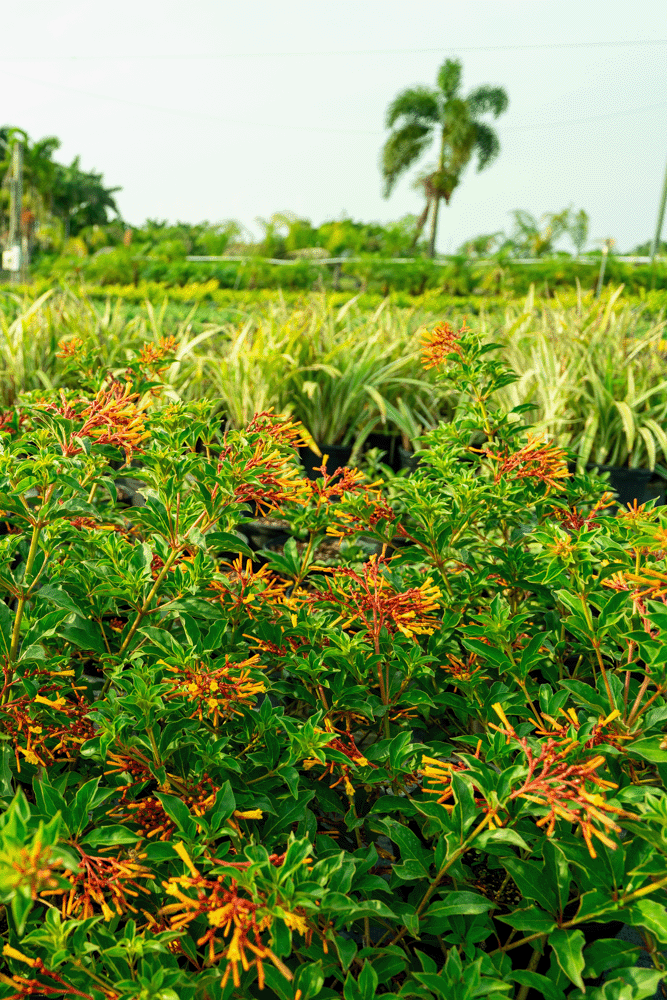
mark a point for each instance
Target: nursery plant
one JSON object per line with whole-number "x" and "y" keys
{"x": 594, "y": 375}
{"x": 431, "y": 766}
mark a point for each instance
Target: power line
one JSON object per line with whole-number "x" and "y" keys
{"x": 143, "y": 57}
{"x": 192, "y": 113}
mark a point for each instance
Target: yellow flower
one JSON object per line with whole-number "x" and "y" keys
{"x": 249, "y": 814}
{"x": 58, "y": 703}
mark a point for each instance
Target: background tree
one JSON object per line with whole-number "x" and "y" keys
{"x": 418, "y": 115}
{"x": 77, "y": 198}
{"x": 578, "y": 230}
{"x": 80, "y": 198}
{"x": 536, "y": 238}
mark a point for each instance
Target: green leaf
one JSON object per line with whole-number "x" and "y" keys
{"x": 110, "y": 835}
{"x": 648, "y": 748}
{"x": 530, "y": 919}
{"x": 541, "y": 984}
{"x": 649, "y": 914}
{"x": 608, "y": 953}
{"x": 346, "y": 949}
{"x": 367, "y": 981}
{"x": 568, "y": 947}
{"x": 498, "y": 837}
{"x": 180, "y": 814}
{"x": 6, "y": 625}
{"x": 21, "y": 906}
{"x": 83, "y": 633}
{"x": 529, "y": 877}
{"x": 309, "y": 979}
{"x": 59, "y": 597}
{"x": 455, "y": 904}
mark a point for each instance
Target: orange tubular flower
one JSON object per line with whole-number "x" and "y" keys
{"x": 151, "y": 354}
{"x": 438, "y": 345}
{"x": 113, "y": 417}
{"x": 230, "y": 915}
{"x": 560, "y": 786}
{"x": 372, "y": 602}
{"x": 536, "y": 460}
{"x": 105, "y": 882}
{"x": 280, "y": 429}
{"x": 245, "y": 589}
{"x": 552, "y": 782}
{"x": 216, "y": 691}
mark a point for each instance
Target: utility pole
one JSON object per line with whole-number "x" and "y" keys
{"x": 14, "y": 255}
{"x": 661, "y": 216}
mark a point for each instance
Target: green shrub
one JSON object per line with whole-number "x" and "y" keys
{"x": 427, "y": 762}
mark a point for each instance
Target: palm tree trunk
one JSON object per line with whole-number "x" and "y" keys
{"x": 434, "y": 226}
{"x": 421, "y": 222}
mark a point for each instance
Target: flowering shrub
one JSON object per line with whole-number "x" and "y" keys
{"x": 431, "y": 765}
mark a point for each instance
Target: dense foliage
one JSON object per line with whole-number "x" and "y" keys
{"x": 416, "y": 750}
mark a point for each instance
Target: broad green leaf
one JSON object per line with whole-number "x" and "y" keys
{"x": 541, "y": 984}
{"x": 454, "y": 904}
{"x": 530, "y": 919}
{"x": 608, "y": 953}
{"x": 568, "y": 946}
{"x": 648, "y": 748}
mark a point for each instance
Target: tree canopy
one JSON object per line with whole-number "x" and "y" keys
{"x": 77, "y": 198}
{"x": 418, "y": 115}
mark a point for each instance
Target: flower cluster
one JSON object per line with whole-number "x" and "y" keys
{"x": 370, "y": 601}
{"x": 440, "y": 343}
{"x": 48, "y": 726}
{"x": 242, "y": 588}
{"x": 217, "y": 692}
{"x": 557, "y": 784}
{"x": 105, "y": 882}
{"x": 151, "y": 354}
{"x": 147, "y": 812}
{"x": 536, "y": 460}
{"x": 574, "y": 520}
{"x": 112, "y": 417}
{"x": 342, "y": 743}
{"x": 35, "y": 987}
{"x": 605, "y": 732}
{"x": 267, "y": 480}
{"x": 231, "y": 914}
{"x": 278, "y": 428}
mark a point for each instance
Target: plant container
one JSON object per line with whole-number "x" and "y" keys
{"x": 631, "y": 484}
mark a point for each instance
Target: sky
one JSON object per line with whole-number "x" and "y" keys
{"x": 215, "y": 109}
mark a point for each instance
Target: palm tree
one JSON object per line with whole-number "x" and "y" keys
{"x": 420, "y": 112}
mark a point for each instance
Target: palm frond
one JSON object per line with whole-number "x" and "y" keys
{"x": 419, "y": 104}
{"x": 449, "y": 77}
{"x": 400, "y": 151}
{"x": 486, "y": 98}
{"x": 486, "y": 144}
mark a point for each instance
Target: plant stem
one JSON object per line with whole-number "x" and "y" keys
{"x": 596, "y": 647}
{"x": 16, "y": 631}
{"x": 143, "y": 610}
{"x": 623, "y": 901}
{"x": 153, "y": 591}
{"x": 441, "y": 874}
{"x": 532, "y": 965}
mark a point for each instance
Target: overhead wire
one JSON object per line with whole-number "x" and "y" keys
{"x": 143, "y": 57}
{"x": 325, "y": 129}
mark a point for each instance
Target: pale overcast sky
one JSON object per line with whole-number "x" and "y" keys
{"x": 214, "y": 109}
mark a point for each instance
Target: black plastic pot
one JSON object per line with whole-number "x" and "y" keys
{"x": 339, "y": 456}
{"x": 389, "y": 445}
{"x": 265, "y": 533}
{"x": 629, "y": 484}
{"x": 407, "y": 459}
